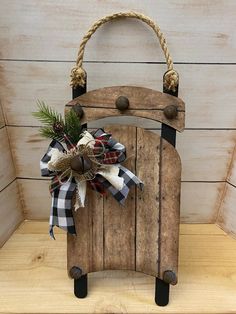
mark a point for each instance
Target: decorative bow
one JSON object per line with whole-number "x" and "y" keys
{"x": 94, "y": 161}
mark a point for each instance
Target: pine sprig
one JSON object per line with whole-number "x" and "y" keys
{"x": 73, "y": 126}
{"x": 54, "y": 125}
{"x": 47, "y": 115}
{"x": 48, "y": 132}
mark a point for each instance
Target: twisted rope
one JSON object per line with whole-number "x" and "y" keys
{"x": 78, "y": 74}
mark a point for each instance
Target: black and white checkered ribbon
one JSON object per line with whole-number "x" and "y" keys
{"x": 61, "y": 208}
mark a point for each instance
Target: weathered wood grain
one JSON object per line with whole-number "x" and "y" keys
{"x": 143, "y": 103}
{"x": 41, "y": 34}
{"x": 205, "y": 154}
{"x": 10, "y": 211}
{"x": 7, "y": 170}
{"x": 227, "y": 215}
{"x": 119, "y": 221}
{"x": 207, "y": 260}
{"x": 231, "y": 178}
{"x": 202, "y": 87}
{"x": 85, "y": 250}
{"x": 147, "y": 202}
{"x": 92, "y": 114}
{"x": 2, "y": 121}
{"x": 199, "y": 200}
{"x": 140, "y": 98}
{"x": 36, "y": 199}
{"x": 209, "y": 151}
{"x": 169, "y": 215}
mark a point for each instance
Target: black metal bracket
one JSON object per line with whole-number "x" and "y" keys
{"x": 161, "y": 292}
{"x": 81, "y": 287}
{"x": 167, "y": 132}
{"x": 78, "y": 91}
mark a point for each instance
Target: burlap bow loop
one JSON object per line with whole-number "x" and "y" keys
{"x": 94, "y": 161}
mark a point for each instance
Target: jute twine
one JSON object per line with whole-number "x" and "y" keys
{"x": 78, "y": 74}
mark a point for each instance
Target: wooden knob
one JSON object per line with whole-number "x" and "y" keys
{"x": 170, "y": 112}
{"x": 79, "y": 110}
{"x": 75, "y": 272}
{"x": 80, "y": 164}
{"x": 170, "y": 277}
{"x": 122, "y": 103}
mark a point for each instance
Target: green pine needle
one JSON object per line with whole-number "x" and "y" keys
{"x": 48, "y": 132}
{"x": 49, "y": 117}
{"x": 72, "y": 126}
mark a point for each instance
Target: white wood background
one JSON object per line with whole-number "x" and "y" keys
{"x": 10, "y": 205}
{"x": 39, "y": 42}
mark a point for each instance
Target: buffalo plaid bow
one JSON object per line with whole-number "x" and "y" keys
{"x": 62, "y": 191}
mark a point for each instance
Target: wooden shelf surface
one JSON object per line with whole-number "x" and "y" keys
{"x": 33, "y": 277}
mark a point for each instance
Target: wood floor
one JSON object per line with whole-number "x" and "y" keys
{"x": 33, "y": 277}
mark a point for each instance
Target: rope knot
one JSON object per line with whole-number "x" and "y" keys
{"x": 78, "y": 76}
{"x": 171, "y": 80}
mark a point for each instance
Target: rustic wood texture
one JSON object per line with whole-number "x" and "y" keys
{"x": 169, "y": 215}
{"x": 7, "y": 170}
{"x": 205, "y": 155}
{"x": 26, "y": 75}
{"x": 147, "y": 202}
{"x": 86, "y": 249}
{"x": 227, "y": 215}
{"x": 143, "y": 102}
{"x": 119, "y": 221}
{"x": 199, "y": 200}
{"x": 142, "y": 235}
{"x": 2, "y": 121}
{"x": 231, "y": 178}
{"x": 10, "y": 211}
{"x": 207, "y": 275}
{"x": 22, "y": 83}
{"x": 118, "y": 40}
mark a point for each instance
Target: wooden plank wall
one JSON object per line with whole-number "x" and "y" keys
{"x": 39, "y": 42}
{"x": 10, "y": 206}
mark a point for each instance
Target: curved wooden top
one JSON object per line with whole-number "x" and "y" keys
{"x": 143, "y": 102}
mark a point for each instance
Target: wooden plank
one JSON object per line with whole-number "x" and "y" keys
{"x": 205, "y": 154}
{"x": 231, "y": 178}
{"x": 169, "y": 215}
{"x": 227, "y": 216}
{"x": 199, "y": 200}
{"x": 85, "y": 250}
{"x": 36, "y": 198}
{"x": 60, "y": 41}
{"x": 143, "y": 102}
{"x": 119, "y": 221}
{"x": 28, "y": 147}
{"x": 92, "y": 114}
{"x": 7, "y": 170}
{"x": 2, "y": 121}
{"x": 22, "y": 83}
{"x": 209, "y": 151}
{"x": 147, "y": 204}
{"x": 140, "y": 98}
{"x": 10, "y": 211}
{"x": 206, "y": 260}
{"x": 40, "y": 227}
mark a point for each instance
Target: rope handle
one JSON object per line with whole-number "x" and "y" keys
{"x": 78, "y": 74}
